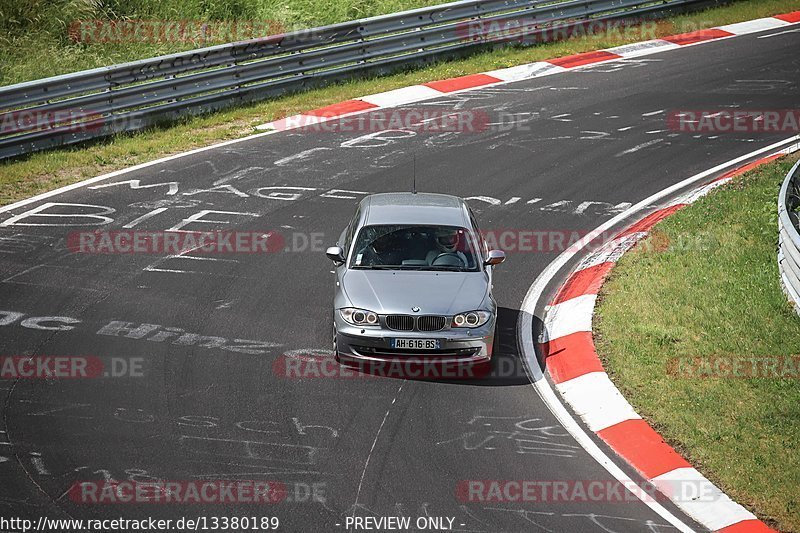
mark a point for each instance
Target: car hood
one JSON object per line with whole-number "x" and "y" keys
{"x": 396, "y": 292}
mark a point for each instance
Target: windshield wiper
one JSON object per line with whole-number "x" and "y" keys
{"x": 388, "y": 267}
{"x": 447, "y": 267}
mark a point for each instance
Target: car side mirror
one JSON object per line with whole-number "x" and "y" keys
{"x": 335, "y": 254}
{"x": 495, "y": 257}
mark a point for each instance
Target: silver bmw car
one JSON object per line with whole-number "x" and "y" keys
{"x": 413, "y": 280}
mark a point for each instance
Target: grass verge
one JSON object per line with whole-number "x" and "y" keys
{"x": 40, "y": 38}
{"x": 24, "y": 177}
{"x": 715, "y": 292}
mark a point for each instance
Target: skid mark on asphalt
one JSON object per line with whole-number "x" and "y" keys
{"x": 62, "y": 277}
{"x": 305, "y": 154}
{"x": 238, "y": 175}
{"x": 253, "y": 472}
{"x": 639, "y": 147}
{"x": 374, "y": 443}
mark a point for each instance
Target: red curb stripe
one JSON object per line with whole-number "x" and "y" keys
{"x": 697, "y": 36}
{"x": 651, "y": 220}
{"x": 585, "y": 58}
{"x": 342, "y": 108}
{"x": 582, "y": 282}
{"x": 644, "y": 449}
{"x": 747, "y": 526}
{"x": 794, "y": 16}
{"x": 571, "y": 356}
{"x": 462, "y": 82}
{"x": 748, "y": 167}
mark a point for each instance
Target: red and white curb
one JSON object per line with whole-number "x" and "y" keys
{"x": 435, "y": 89}
{"x": 579, "y": 377}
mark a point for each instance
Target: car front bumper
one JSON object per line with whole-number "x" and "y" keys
{"x": 467, "y": 346}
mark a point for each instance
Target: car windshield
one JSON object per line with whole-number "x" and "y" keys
{"x": 409, "y": 247}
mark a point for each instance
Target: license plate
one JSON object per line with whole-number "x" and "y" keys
{"x": 415, "y": 344}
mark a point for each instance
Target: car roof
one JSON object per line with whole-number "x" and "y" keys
{"x": 414, "y": 208}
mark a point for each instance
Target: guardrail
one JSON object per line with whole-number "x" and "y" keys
{"x": 96, "y": 103}
{"x": 788, "y": 236}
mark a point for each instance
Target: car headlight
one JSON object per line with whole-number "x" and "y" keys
{"x": 359, "y": 317}
{"x": 471, "y": 319}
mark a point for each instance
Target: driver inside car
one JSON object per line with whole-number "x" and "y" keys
{"x": 447, "y": 252}
{"x": 384, "y": 250}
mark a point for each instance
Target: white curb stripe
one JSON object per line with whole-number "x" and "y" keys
{"x": 527, "y": 71}
{"x": 754, "y": 26}
{"x": 398, "y": 97}
{"x": 696, "y": 194}
{"x": 596, "y": 400}
{"x": 643, "y": 48}
{"x": 712, "y": 508}
{"x": 569, "y": 317}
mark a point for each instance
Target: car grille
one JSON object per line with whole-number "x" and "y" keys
{"x": 421, "y": 323}
{"x": 400, "y": 322}
{"x": 431, "y": 323}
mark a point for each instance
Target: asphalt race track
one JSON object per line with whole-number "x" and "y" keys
{"x": 586, "y": 144}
